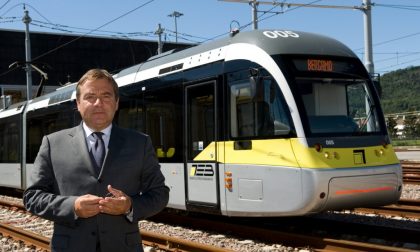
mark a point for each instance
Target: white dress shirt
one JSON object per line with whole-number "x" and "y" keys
{"x": 90, "y": 140}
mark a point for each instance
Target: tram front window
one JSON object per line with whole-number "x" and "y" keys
{"x": 338, "y": 106}
{"x": 257, "y": 111}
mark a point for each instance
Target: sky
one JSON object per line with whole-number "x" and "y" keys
{"x": 395, "y": 23}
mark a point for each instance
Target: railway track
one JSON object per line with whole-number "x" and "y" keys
{"x": 271, "y": 230}
{"x": 249, "y": 231}
{"x": 31, "y": 239}
{"x": 411, "y": 172}
{"x": 151, "y": 239}
{"x": 171, "y": 243}
{"x": 404, "y": 208}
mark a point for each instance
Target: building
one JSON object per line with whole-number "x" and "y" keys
{"x": 64, "y": 58}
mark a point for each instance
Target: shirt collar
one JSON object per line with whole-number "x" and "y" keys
{"x": 89, "y": 131}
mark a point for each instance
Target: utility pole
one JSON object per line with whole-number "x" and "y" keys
{"x": 176, "y": 15}
{"x": 367, "y": 18}
{"x": 27, "y": 19}
{"x": 254, "y": 5}
{"x": 159, "y": 32}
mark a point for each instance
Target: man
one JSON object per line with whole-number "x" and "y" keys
{"x": 96, "y": 207}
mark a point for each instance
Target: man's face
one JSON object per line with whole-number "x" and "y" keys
{"x": 97, "y": 103}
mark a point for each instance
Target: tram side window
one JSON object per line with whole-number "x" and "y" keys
{"x": 130, "y": 114}
{"x": 201, "y": 120}
{"x": 258, "y": 111}
{"x": 158, "y": 114}
{"x": 9, "y": 140}
{"x": 163, "y": 123}
{"x": 45, "y": 121}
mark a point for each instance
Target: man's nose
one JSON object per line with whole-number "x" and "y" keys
{"x": 98, "y": 101}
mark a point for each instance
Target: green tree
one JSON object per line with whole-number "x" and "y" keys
{"x": 400, "y": 90}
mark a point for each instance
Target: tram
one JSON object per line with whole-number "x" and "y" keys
{"x": 261, "y": 123}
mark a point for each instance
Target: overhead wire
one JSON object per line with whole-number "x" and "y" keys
{"x": 403, "y": 7}
{"x": 398, "y": 55}
{"x": 39, "y": 13}
{"x": 287, "y": 10}
{"x": 9, "y": 20}
{"x": 406, "y": 7}
{"x": 395, "y": 65}
{"x": 74, "y": 30}
{"x": 184, "y": 36}
{"x": 89, "y": 32}
{"x": 9, "y": 70}
{"x": 392, "y": 40}
{"x": 1, "y": 7}
{"x": 276, "y": 4}
{"x": 78, "y": 30}
{"x": 398, "y": 6}
{"x": 9, "y": 8}
{"x": 77, "y": 38}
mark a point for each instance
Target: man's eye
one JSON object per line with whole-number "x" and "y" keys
{"x": 107, "y": 97}
{"x": 89, "y": 97}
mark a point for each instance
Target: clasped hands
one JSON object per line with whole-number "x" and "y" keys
{"x": 115, "y": 203}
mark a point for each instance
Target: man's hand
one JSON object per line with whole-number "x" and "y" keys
{"x": 116, "y": 203}
{"x": 87, "y": 206}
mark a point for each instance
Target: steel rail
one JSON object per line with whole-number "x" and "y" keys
{"x": 169, "y": 243}
{"x": 27, "y": 237}
{"x": 316, "y": 243}
{"x": 151, "y": 239}
{"x": 403, "y": 208}
{"x": 411, "y": 171}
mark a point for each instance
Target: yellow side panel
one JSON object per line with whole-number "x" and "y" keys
{"x": 343, "y": 157}
{"x": 209, "y": 154}
{"x": 275, "y": 152}
{"x": 292, "y": 153}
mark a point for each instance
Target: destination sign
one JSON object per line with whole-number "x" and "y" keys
{"x": 320, "y": 65}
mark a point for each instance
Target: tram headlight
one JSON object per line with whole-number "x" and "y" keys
{"x": 380, "y": 152}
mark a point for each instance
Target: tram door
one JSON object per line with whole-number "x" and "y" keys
{"x": 201, "y": 166}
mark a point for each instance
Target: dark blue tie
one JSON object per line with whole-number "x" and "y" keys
{"x": 98, "y": 149}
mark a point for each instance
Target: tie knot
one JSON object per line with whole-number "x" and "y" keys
{"x": 97, "y": 135}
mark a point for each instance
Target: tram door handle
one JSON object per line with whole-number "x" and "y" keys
{"x": 242, "y": 145}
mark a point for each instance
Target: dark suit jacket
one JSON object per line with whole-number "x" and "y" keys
{"x": 64, "y": 170}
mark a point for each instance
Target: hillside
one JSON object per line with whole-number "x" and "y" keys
{"x": 401, "y": 90}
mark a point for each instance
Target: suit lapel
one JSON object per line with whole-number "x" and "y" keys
{"x": 80, "y": 148}
{"x": 115, "y": 143}
{"x": 114, "y": 147}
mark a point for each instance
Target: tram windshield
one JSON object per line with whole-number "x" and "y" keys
{"x": 334, "y": 94}
{"x": 335, "y": 97}
{"x": 338, "y": 105}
